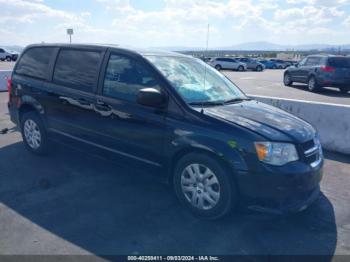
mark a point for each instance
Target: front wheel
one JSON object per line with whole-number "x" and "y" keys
{"x": 8, "y": 59}
{"x": 240, "y": 68}
{"x": 218, "y": 67}
{"x": 34, "y": 133}
{"x": 287, "y": 79}
{"x": 204, "y": 186}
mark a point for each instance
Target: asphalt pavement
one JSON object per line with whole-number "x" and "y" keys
{"x": 73, "y": 202}
{"x": 270, "y": 83}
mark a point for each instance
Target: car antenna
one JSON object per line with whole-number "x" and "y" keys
{"x": 205, "y": 68}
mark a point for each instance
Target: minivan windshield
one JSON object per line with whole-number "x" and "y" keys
{"x": 197, "y": 82}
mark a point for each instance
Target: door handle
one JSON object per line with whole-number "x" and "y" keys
{"x": 101, "y": 106}
{"x": 83, "y": 102}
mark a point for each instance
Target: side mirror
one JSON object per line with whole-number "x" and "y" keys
{"x": 151, "y": 97}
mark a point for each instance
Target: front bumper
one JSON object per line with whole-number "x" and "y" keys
{"x": 281, "y": 190}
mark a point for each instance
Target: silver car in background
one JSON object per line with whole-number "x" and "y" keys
{"x": 227, "y": 63}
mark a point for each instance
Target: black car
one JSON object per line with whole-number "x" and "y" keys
{"x": 319, "y": 71}
{"x": 172, "y": 114}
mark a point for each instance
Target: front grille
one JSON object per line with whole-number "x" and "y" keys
{"x": 312, "y": 152}
{"x": 307, "y": 145}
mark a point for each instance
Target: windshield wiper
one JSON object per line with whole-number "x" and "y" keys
{"x": 207, "y": 103}
{"x": 235, "y": 100}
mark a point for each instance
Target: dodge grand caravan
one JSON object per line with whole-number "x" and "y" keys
{"x": 174, "y": 114}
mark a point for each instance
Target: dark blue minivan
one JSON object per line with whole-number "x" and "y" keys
{"x": 171, "y": 114}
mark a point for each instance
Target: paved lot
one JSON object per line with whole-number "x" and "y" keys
{"x": 269, "y": 83}
{"x": 6, "y": 65}
{"x": 71, "y": 202}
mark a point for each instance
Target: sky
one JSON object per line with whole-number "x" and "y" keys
{"x": 174, "y": 23}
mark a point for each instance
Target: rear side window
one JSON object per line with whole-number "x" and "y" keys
{"x": 312, "y": 61}
{"x": 125, "y": 77}
{"x": 77, "y": 69}
{"x": 340, "y": 62}
{"x": 35, "y": 62}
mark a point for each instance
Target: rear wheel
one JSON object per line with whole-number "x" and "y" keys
{"x": 204, "y": 186}
{"x": 343, "y": 90}
{"x": 287, "y": 79}
{"x": 8, "y": 59}
{"x": 259, "y": 68}
{"x": 218, "y": 67}
{"x": 312, "y": 84}
{"x": 34, "y": 133}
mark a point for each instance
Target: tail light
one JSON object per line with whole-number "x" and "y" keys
{"x": 9, "y": 87}
{"x": 327, "y": 69}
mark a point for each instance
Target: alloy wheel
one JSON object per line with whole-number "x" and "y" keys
{"x": 32, "y": 134}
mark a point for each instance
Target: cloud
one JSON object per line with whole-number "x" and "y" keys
{"x": 177, "y": 22}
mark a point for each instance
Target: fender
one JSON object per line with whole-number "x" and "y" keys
{"x": 25, "y": 101}
{"x": 228, "y": 151}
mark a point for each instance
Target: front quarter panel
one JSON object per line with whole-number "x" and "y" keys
{"x": 227, "y": 142}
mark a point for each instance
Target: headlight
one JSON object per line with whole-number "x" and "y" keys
{"x": 277, "y": 154}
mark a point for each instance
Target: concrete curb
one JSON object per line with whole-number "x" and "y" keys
{"x": 332, "y": 121}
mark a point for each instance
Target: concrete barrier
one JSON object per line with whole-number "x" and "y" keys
{"x": 4, "y": 74}
{"x": 331, "y": 120}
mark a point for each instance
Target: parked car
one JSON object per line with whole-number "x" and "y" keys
{"x": 205, "y": 59}
{"x": 8, "y": 55}
{"x": 269, "y": 64}
{"x": 172, "y": 114}
{"x": 227, "y": 63}
{"x": 321, "y": 71}
{"x": 4, "y": 55}
{"x": 281, "y": 64}
{"x": 252, "y": 64}
{"x": 15, "y": 55}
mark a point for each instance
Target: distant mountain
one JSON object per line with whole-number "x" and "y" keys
{"x": 178, "y": 48}
{"x": 267, "y": 46}
{"x": 260, "y": 46}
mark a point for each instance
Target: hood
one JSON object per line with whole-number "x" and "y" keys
{"x": 268, "y": 121}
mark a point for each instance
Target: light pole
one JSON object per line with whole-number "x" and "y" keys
{"x": 70, "y": 33}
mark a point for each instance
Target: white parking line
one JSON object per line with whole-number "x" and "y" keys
{"x": 247, "y": 78}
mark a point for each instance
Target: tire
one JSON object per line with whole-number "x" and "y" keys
{"x": 34, "y": 133}
{"x": 259, "y": 68}
{"x": 208, "y": 198}
{"x": 280, "y": 67}
{"x": 344, "y": 90}
{"x": 287, "y": 80}
{"x": 240, "y": 68}
{"x": 312, "y": 84}
{"x": 8, "y": 59}
{"x": 218, "y": 67}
